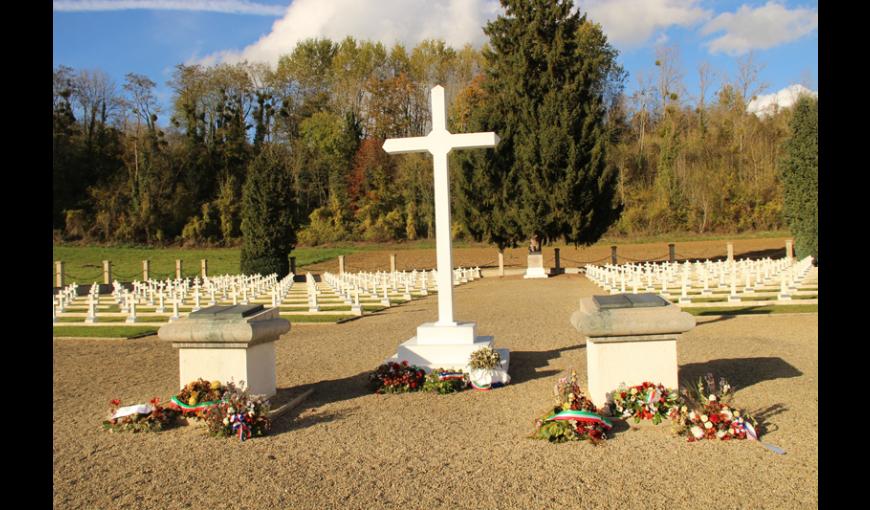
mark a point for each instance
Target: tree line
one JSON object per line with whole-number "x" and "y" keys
{"x": 126, "y": 172}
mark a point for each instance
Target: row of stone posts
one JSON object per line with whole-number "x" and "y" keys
{"x": 146, "y": 270}
{"x": 672, "y": 257}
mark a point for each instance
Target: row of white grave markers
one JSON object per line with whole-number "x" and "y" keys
{"x": 161, "y": 296}
{"x": 754, "y": 277}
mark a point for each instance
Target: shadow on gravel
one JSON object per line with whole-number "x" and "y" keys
{"x": 524, "y": 363}
{"x": 710, "y": 321}
{"x": 762, "y": 417}
{"x": 291, "y": 421}
{"x": 739, "y": 372}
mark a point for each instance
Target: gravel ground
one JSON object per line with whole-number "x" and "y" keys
{"x": 346, "y": 448}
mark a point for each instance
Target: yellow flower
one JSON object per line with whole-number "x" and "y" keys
{"x": 191, "y": 401}
{"x": 215, "y": 385}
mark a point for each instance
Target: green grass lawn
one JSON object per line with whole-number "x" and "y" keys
{"x": 313, "y": 318}
{"x": 140, "y": 318}
{"x": 751, "y": 310}
{"x": 83, "y": 264}
{"x": 103, "y": 331}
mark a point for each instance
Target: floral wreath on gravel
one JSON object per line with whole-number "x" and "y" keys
{"x": 197, "y": 396}
{"x": 150, "y": 417}
{"x": 573, "y": 417}
{"x": 227, "y": 409}
{"x": 706, "y": 413}
{"x": 392, "y": 377}
{"x": 646, "y": 401}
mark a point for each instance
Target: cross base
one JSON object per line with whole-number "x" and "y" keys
{"x": 445, "y": 346}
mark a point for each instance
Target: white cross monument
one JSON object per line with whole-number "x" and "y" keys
{"x": 445, "y": 343}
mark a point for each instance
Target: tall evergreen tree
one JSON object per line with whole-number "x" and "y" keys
{"x": 800, "y": 177}
{"x": 550, "y": 75}
{"x": 268, "y": 229}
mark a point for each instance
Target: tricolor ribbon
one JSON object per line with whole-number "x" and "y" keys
{"x": 450, "y": 376}
{"x": 653, "y": 396}
{"x": 197, "y": 407}
{"x": 241, "y": 426}
{"x": 586, "y": 416}
{"x": 752, "y": 434}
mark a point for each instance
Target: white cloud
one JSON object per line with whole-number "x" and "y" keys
{"x": 759, "y": 28}
{"x": 457, "y": 22}
{"x": 633, "y": 22}
{"x": 225, "y": 6}
{"x": 770, "y": 103}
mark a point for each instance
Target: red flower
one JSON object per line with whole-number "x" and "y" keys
{"x": 115, "y": 401}
{"x": 714, "y": 418}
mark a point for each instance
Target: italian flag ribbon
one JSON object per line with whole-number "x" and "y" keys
{"x": 198, "y": 407}
{"x": 580, "y": 416}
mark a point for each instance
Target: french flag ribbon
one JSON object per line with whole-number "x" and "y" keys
{"x": 752, "y": 434}
{"x": 240, "y": 426}
{"x": 450, "y": 376}
{"x": 580, "y": 416}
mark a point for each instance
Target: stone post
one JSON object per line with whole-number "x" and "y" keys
{"x": 341, "y": 264}
{"x": 293, "y": 265}
{"x": 392, "y": 263}
{"x": 58, "y": 273}
{"x": 730, "y": 252}
{"x": 203, "y": 264}
{"x": 146, "y": 269}
{"x": 613, "y": 255}
{"x": 107, "y": 272}
{"x": 558, "y": 266}
{"x": 672, "y": 253}
{"x": 789, "y": 253}
{"x": 501, "y": 263}
{"x": 178, "y": 268}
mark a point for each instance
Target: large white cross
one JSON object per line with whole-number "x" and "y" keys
{"x": 439, "y": 142}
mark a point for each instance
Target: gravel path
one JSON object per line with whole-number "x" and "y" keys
{"x": 346, "y": 448}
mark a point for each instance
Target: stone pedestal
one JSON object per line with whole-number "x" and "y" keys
{"x": 535, "y": 267}
{"x": 450, "y": 347}
{"x": 228, "y": 343}
{"x": 630, "y": 338}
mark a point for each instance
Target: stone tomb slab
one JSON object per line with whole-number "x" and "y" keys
{"x": 228, "y": 343}
{"x": 630, "y": 339}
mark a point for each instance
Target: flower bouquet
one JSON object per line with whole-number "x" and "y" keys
{"x": 238, "y": 414}
{"x": 445, "y": 381}
{"x": 707, "y": 413}
{"x": 151, "y": 417}
{"x": 397, "y": 378}
{"x": 645, "y": 401}
{"x": 572, "y": 418}
{"x": 484, "y": 369}
{"x": 197, "y": 396}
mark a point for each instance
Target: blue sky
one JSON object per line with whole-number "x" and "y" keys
{"x": 150, "y": 37}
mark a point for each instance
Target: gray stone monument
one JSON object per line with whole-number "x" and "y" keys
{"x": 228, "y": 343}
{"x": 630, "y": 339}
